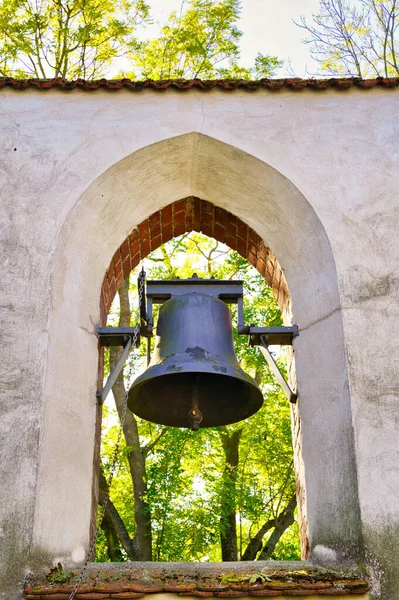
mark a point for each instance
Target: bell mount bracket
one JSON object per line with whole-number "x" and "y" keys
{"x": 230, "y": 292}
{"x": 274, "y": 336}
{"x": 124, "y": 336}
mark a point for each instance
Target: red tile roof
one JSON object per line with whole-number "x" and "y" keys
{"x": 226, "y": 580}
{"x": 180, "y": 84}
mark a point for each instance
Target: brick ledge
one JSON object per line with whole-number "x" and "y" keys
{"x": 103, "y": 581}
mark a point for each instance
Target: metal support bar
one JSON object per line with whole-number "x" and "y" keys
{"x": 101, "y": 396}
{"x": 292, "y": 396}
{"x": 273, "y": 336}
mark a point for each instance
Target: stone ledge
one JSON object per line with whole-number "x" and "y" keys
{"x": 104, "y": 581}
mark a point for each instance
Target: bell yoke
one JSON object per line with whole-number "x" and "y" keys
{"x": 194, "y": 378}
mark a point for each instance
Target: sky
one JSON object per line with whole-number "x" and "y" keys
{"x": 268, "y": 28}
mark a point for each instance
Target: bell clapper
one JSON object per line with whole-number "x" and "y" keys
{"x": 195, "y": 415}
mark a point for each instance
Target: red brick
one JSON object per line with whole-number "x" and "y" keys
{"x": 154, "y": 219}
{"x": 253, "y": 249}
{"x": 134, "y": 236}
{"x": 219, "y": 232}
{"x": 156, "y": 242}
{"x": 105, "y": 287}
{"x": 206, "y": 207}
{"x": 179, "y": 217}
{"x": 180, "y": 228}
{"x": 126, "y": 267}
{"x": 119, "y": 279}
{"x": 103, "y": 296}
{"x": 134, "y": 243}
{"x": 124, "y": 249}
{"x": 179, "y": 205}
{"x": 254, "y": 238}
{"x": 197, "y": 214}
{"x": 231, "y": 241}
{"x": 207, "y": 219}
{"x": 103, "y": 313}
{"x": 207, "y": 229}
{"x": 145, "y": 248}
{"x": 135, "y": 260}
{"x": 197, "y": 224}
{"x": 269, "y": 271}
{"x": 155, "y": 230}
{"x": 167, "y": 233}
{"x": 110, "y": 277}
{"x": 112, "y": 290}
{"x": 262, "y": 251}
{"x": 144, "y": 230}
{"x": 260, "y": 265}
{"x": 167, "y": 214}
{"x": 252, "y": 258}
{"x": 242, "y": 229}
{"x": 220, "y": 215}
{"x": 242, "y": 247}
{"x": 231, "y": 225}
{"x": 189, "y": 223}
{"x": 117, "y": 268}
{"x": 116, "y": 258}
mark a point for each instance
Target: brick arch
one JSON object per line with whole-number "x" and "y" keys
{"x": 183, "y": 216}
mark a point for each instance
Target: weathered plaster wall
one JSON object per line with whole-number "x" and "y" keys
{"x": 315, "y": 174}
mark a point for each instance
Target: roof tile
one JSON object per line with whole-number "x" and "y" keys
{"x": 183, "y": 84}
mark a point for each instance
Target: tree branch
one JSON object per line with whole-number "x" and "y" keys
{"x": 284, "y": 520}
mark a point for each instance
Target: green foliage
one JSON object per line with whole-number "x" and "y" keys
{"x": 58, "y": 575}
{"x": 185, "y": 487}
{"x": 70, "y": 39}
{"x": 83, "y": 38}
{"x": 202, "y": 41}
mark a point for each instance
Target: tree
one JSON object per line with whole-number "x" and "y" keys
{"x": 202, "y": 41}
{"x": 220, "y": 493}
{"x": 83, "y": 38}
{"x": 66, "y": 38}
{"x": 355, "y": 39}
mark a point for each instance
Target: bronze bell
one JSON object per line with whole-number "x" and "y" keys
{"x": 194, "y": 378}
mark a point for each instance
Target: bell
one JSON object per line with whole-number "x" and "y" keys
{"x": 194, "y": 378}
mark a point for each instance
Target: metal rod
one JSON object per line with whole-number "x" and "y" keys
{"x": 101, "y": 396}
{"x": 292, "y": 396}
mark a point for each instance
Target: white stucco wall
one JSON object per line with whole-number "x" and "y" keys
{"x": 314, "y": 173}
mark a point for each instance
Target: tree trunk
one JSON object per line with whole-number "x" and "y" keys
{"x": 228, "y": 527}
{"x": 142, "y": 542}
{"x": 284, "y": 520}
{"x": 114, "y": 528}
{"x": 255, "y": 543}
{"x": 113, "y": 548}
